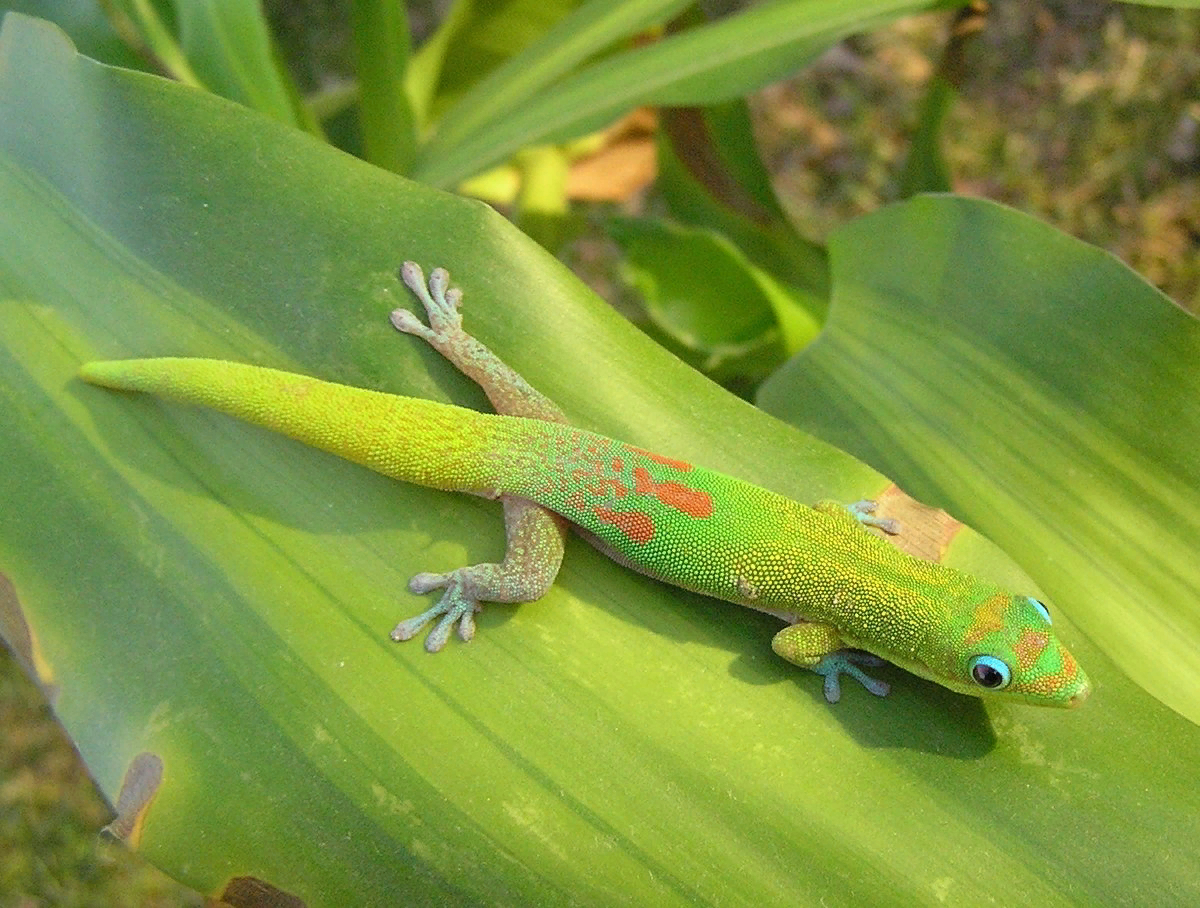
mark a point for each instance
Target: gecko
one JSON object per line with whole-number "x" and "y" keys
{"x": 849, "y": 598}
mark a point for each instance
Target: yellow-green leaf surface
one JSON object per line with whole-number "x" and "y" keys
{"x": 220, "y": 597}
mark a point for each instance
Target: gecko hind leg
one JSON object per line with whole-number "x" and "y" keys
{"x": 536, "y": 536}
{"x": 532, "y": 558}
{"x": 506, "y": 389}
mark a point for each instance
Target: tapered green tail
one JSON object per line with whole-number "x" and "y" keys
{"x": 418, "y": 441}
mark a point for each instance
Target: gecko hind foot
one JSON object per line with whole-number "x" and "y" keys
{"x": 455, "y": 607}
{"x": 847, "y": 662}
{"x": 441, "y": 302}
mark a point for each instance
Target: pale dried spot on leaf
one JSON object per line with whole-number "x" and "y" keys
{"x": 251, "y": 892}
{"x": 16, "y": 632}
{"x": 925, "y": 531}
{"x": 138, "y": 788}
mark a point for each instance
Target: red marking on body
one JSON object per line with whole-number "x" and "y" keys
{"x": 636, "y": 526}
{"x": 693, "y": 502}
{"x": 618, "y": 465}
{"x": 643, "y": 483}
{"x": 681, "y": 465}
{"x": 610, "y": 488}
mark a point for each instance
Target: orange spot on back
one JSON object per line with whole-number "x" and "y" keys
{"x": 693, "y": 502}
{"x": 636, "y": 526}
{"x": 642, "y": 483}
{"x": 681, "y": 465}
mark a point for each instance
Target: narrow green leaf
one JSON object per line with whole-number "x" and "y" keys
{"x": 381, "y": 44}
{"x": 583, "y": 33}
{"x": 487, "y": 36}
{"x": 427, "y": 64}
{"x": 228, "y": 44}
{"x": 703, "y": 65}
{"x": 925, "y": 169}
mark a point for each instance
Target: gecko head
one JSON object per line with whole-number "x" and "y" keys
{"x": 1006, "y": 647}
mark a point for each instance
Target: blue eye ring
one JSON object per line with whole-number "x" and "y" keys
{"x": 990, "y": 672}
{"x": 1041, "y": 608}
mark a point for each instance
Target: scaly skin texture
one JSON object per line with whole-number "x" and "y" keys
{"x": 840, "y": 587}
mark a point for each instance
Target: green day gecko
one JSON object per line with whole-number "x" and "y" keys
{"x": 849, "y": 597}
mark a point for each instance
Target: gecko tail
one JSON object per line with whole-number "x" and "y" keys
{"x": 420, "y": 441}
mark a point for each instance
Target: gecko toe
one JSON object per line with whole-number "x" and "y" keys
{"x": 832, "y": 688}
{"x": 426, "y": 582}
{"x": 406, "y": 321}
{"x": 441, "y": 633}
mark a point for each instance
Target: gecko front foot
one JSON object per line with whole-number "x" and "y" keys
{"x": 820, "y": 648}
{"x": 455, "y": 607}
{"x": 864, "y": 513}
{"x": 847, "y": 662}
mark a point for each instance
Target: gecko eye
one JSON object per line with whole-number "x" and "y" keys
{"x": 1041, "y": 607}
{"x": 990, "y": 672}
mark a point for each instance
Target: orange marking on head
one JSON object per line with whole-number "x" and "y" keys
{"x": 681, "y": 465}
{"x": 1029, "y": 647}
{"x": 636, "y": 526}
{"x": 1070, "y": 667}
{"x": 989, "y": 617}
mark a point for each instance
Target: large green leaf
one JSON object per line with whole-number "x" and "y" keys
{"x": 1054, "y": 406}
{"x": 220, "y": 597}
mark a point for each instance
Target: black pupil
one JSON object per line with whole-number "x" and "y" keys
{"x": 987, "y": 676}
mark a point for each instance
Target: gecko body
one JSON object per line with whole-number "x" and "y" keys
{"x": 843, "y": 591}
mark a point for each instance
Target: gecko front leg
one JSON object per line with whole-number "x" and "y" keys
{"x": 536, "y": 537}
{"x": 819, "y": 648}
